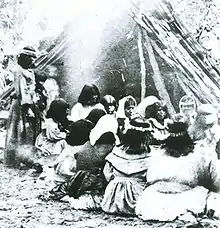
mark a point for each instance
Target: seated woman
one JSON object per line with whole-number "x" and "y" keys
{"x": 188, "y": 108}
{"x": 88, "y": 100}
{"x": 156, "y": 113}
{"x": 126, "y": 111}
{"x": 78, "y": 135}
{"x": 147, "y": 101}
{"x": 65, "y": 164}
{"x": 125, "y": 170}
{"x": 178, "y": 180}
{"x": 109, "y": 120}
{"x": 110, "y": 104}
{"x": 85, "y": 188}
{"x": 205, "y": 128}
{"x": 51, "y": 140}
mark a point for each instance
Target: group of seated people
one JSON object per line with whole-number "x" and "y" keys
{"x": 133, "y": 159}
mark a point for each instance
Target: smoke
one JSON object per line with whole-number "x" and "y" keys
{"x": 93, "y": 28}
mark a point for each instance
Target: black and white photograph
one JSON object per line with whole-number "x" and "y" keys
{"x": 109, "y": 113}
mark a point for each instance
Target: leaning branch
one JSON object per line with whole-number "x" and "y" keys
{"x": 158, "y": 79}
{"x": 142, "y": 64}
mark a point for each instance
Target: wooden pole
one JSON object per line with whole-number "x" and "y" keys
{"x": 142, "y": 64}
{"x": 158, "y": 79}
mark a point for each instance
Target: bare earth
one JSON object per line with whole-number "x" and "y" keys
{"x": 20, "y": 207}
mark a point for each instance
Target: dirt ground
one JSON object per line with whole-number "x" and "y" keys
{"x": 21, "y": 207}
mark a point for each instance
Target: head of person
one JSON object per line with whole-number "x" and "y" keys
{"x": 58, "y": 110}
{"x": 79, "y": 132}
{"x": 51, "y": 86}
{"x": 137, "y": 137}
{"x": 95, "y": 115}
{"x": 187, "y": 105}
{"x": 129, "y": 107}
{"x": 26, "y": 57}
{"x": 89, "y": 95}
{"x": 110, "y": 104}
{"x": 158, "y": 111}
{"x": 178, "y": 143}
{"x": 126, "y": 107}
{"x": 205, "y": 119}
{"x": 147, "y": 101}
{"x": 207, "y": 116}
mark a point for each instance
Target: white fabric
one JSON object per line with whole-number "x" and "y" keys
{"x": 79, "y": 111}
{"x": 121, "y": 195}
{"x": 128, "y": 163}
{"x": 167, "y": 201}
{"x": 121, "y": 107}
{"x": 154, "y": 205}
{"x": 106, "y": 123}
{"x": 147, "y": 101}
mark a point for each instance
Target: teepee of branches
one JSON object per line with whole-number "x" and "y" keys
{"x": 163, "y": 34}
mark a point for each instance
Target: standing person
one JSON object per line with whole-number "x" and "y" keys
{"x": 88, "y": 100}
{"x": 22, "y": 120}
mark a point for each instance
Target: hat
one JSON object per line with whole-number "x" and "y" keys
{"x": 28, "y": 50}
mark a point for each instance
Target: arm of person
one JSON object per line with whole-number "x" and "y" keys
{"x": 214, "y": 170}
{"x": 108, "y": 171}
{"x": 53, "y": 132}
{"x": 75, "y": 112}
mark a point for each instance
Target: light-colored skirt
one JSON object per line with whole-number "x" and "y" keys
{"x": 121, "y": 195}
{"x": 154, "y": 204}
{"x": 47, "y": 147}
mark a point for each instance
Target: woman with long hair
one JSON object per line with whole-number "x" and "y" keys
{"x": 155, "y": 111}
{"x": 88, "y": 100}
{"x": 52, "y": 138}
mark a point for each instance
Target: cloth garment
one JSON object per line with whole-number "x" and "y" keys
{"x": 147, "y": 101}
{"x": 107, "y": 123}
{"x": 159, "y": 131}
{"x": 125, "y": 174}
{"x": 51, "y": 140}
{"x": 79, "y": 111}
{"x": 23, "y": 122}
{"x": 177, "y": 184}
{"x": 154, "y": 204}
